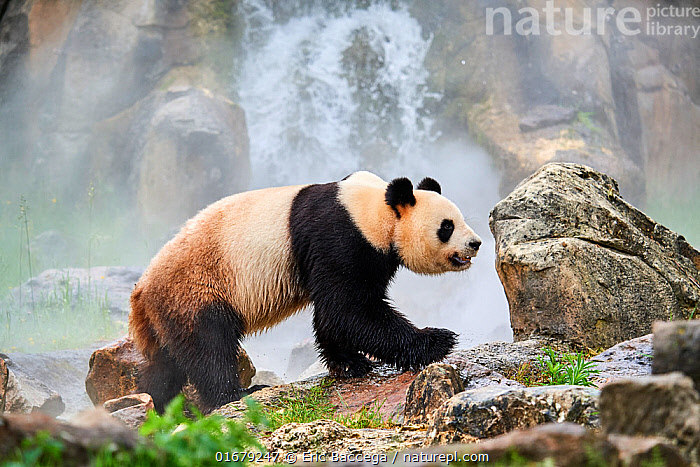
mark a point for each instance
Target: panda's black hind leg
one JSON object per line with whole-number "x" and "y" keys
{"x": 161, "y": 377}
{"x": 210, "y": 355}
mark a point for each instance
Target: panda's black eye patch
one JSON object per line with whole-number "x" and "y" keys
{"x": 446, "y": 229}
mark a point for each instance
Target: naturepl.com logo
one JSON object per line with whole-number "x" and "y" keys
{"x": 659, "y": 20}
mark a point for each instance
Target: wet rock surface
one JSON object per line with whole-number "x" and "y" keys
{"x": 579, "y": 263}
{"x": 629, "y": 359}
{"x": 666, "y": 406}
{"x": 491, "y": 411}
{"x": 677, "y": 348}
{"x": 383, "y": 389}
{"x": 500, "y": 357}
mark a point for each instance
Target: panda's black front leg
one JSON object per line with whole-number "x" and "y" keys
{"x": 347, "y": 328}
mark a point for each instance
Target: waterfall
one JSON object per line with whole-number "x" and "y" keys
{"x": 330, "y": 88}
{"x": 329, "y": 92}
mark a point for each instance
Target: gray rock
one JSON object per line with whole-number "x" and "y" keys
{"x": 186, "y": 144}
{"x": 63, "y": 371}
{"x": 427, "y": 393}
{"x": 579, "y": 263}
{"x": 24, "y": 394}
{"x": 302, "y": 356}
{"x": 629, "y": 359}
{"x": 317, "y": 441}
{"x": 316, "y": 370}
{"x": 546, "y": 115}
{"x": 266, "y": 378}
{"x": 677, "y": 348}
{"x": 662, "y": 405}
{"x": 491, "y": 411}
{"x": 501, "y": 357}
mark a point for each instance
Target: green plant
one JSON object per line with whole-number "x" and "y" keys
{"x": 68, "y": 316}
{"x": 24, "y": 219}
{"x": 300, "y": 407}
{"x": 366, "y": 417}
{"x": 566, "y": 369}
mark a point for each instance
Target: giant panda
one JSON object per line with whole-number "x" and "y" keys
{"x": 251, "y": 260}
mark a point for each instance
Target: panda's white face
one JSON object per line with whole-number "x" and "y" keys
{"x": 432, "y": 236}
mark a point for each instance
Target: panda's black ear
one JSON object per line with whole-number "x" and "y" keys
{"x": 430, "y": 184}
{"x": 399, "y": 193}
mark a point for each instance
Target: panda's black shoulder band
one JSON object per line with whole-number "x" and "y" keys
{"x": 399, "y": 192}
{"x": 430, "y": 184}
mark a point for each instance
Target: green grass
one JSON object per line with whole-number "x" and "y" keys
{"x": 173, "y": 439}
{"x": 303, "y": 406}
{"x": 59, "y": 321}
{"x": 98, "y": 230}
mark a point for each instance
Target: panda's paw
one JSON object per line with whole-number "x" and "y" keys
{"x": 356, "y": 367}
{"x": 437, "y": 343}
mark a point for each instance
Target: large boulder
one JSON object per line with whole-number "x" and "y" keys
{"x": 579, "y": 263}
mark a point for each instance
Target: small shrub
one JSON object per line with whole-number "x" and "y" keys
{"x": 566, "y": 369}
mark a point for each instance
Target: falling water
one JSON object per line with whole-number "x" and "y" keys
{"x": 329, "y": 89}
